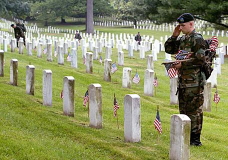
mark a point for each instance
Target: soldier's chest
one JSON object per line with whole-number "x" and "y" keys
{"x": 186, "y": 44}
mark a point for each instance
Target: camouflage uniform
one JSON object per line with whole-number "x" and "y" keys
{"x": 191, "y": 79}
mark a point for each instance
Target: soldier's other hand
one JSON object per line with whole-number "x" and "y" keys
{"x": 176, "y": 31}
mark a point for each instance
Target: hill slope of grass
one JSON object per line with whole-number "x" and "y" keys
{"x": 30, "y": 130}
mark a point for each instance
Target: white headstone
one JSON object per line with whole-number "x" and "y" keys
{"x": 121, "y": 58}
{"x": 150, "y": 63}
{"x": 207, "y": 97}
{"x": 180, "y": 137}
{"x": 49, "y": 52}
{"x": 107, "y": 69}
{"x": 60, "y": 55}
{"x": 68, "y": 96}
{"x": 142, "y": 51}
{"x": 30, "y": 79}
{"x": 39, "y": 50}
{"x": 95, "y": 106}
{"x": 108, "y": 52}
{"x": 13, "y": 44}
{"x": 148, "y": 82}
{"x": 132, "y": 120}
{"x": 47, "y": 88}
{"x": 126, "y": 79}
{"x": 13, "y": 72}
{"x": 89, "y": 62}
{"x": 74, "y": 58}
{"x": 173, "y": 90}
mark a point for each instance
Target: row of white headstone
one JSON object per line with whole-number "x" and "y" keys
{"x": 141, "y": 25}
{"x": 180, "y": 124}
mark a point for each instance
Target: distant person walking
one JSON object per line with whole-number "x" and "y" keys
{"x": 138, "y": 38}
{"x": 18, "y": 33}
{"x": 78, "y": 36}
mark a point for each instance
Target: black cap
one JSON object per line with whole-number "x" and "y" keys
{"x": 12, "y": 25}
{"x": 186, "y": 17}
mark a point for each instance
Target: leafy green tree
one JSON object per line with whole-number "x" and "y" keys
{"x": 102, "y": 8}
{"x": 15, "y": 8}
{"x": 165, "y": 11}
{"x": 132, "y": 10}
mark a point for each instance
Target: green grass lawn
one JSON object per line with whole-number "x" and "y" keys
{"x": 29, "y": 130}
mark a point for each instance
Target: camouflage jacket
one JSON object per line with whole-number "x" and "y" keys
{"x": 190, "y": 74}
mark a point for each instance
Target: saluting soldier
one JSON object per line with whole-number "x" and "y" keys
{"x": 191, "y": 79}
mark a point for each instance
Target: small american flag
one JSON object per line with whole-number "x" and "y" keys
{"x": 86, "y": 98}
{"x": 100, "y": 60}
{"x": 213, "y": 43}
{"x": 182, "y": 54}
{"x": 69, "y": 58}
{"x": 155, "y": 83}
{"x": 115, "y": 107}
{"x": 136, "y": 78}
{"x": 61, "y": 94}
{"x": 172, "y": 72}
{"x": 216, "y": 97}
{"x": 157, "y": 123}
{"x": 114, "y": 68}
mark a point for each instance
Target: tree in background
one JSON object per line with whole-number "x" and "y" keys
{"x": 166, "y": 11}
{"x": 14, "y": 8}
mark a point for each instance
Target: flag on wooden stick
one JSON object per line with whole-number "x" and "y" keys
{"x": 114, "y": 68}
{"x": 155, "y": 83}
{"x": 115, "y": 107}
{"x": 157, "y": 122}
{"x": 136, "y": 78}
{"x": 216, "y": 97}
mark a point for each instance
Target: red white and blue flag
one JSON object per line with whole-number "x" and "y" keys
{"x": 86, "y": 98}
{"x": 216, "y": 97}
{"x": 136, "y": 78}
{"x": 172, "y": 72}
{"x": 115, "y": 107}
{"x": 213, "y": 43}
{"x": 182, "y": 54}
{"x": 155, "y": 83}
{"x": 114, "y": 68}
{"x": 157, "y": 123}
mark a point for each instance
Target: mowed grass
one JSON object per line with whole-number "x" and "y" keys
{"x": 30, "y": 130}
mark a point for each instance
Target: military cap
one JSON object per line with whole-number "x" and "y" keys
{"x": 186, "y": 17}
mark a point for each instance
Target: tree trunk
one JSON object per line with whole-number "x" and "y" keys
{"x": 63, "y": 20}
{"x": 46, "y": 23}
{"x": 135, "y": 23}
{"x": 89, "y": 17}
